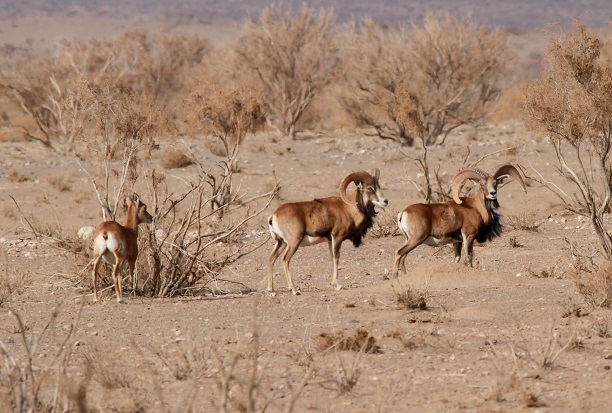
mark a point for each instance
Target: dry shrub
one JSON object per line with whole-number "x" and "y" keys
{"x": 292, "y": 56}
{"x": 571, "y": 104}
{"x": 452, "y": 71}
{"x": 48, "y": 87}
{"x": 376, "y": 62}
{"x": 594, "y": 286}
{"x": 226, "y": 114}
{"x": 175, "y": 159}
{"x": 361, "y": 341}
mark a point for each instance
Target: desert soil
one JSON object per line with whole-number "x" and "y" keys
{"x": 480, "y": 345}
{"x": 495, "y": 337}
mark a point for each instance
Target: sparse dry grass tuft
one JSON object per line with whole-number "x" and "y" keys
{"x": 410, "y": 299}
{"x": 522, "y": 221}
{"x": 101, "y": 362}
{"x": 595, "y": 286}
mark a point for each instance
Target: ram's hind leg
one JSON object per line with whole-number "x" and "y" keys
{"x": 401, "y": 253}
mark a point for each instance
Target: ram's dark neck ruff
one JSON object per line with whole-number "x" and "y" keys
{"x": 369, "y": 213}
{"x": 495, "y": 228}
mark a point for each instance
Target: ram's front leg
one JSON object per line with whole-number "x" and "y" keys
{"x": 468, "y": 240}
{"x": 457, "y": 245}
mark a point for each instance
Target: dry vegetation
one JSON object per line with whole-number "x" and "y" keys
{"x": 109, "y": 103}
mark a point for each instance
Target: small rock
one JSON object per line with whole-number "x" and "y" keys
{"x": 86, "y": 233}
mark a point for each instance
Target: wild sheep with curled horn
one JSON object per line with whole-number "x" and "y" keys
{"x": 332, "y": 219}
{"x": 460, "y": 221}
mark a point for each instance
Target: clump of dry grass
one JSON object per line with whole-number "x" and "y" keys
{"x": 360, "y": 341}
{"x": 384, "y": 225}
{"x": 100, "y": 361}
{"x": 572, "y": 309}
{"x": 522, "y": 221}
{"x": 411, "y": 299}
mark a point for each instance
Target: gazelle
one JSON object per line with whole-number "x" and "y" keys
{"x": 118, "y": 244}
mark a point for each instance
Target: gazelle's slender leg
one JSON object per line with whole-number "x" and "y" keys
{"x": 278, "y": 248}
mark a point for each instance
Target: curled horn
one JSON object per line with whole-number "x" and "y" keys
{"x": 510, "y": 170}
{"x": 461, "y": 177}
{"x": 360, "y": 176}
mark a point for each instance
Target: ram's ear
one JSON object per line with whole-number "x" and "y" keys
{"x": 136, "y": 198}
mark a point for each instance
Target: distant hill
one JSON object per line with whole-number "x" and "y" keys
{"x": 518, "y": 14}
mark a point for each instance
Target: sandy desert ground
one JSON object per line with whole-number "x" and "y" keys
{"x": 496, "y": 337}
{"x": 501, "y": 336}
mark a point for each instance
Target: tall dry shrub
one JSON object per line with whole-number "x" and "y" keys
{"x": 460, "y": 69}
{"x": 571, "y": 104}
{"x": 293, "y": 56}
{"x": 227, "y": 114}
{"x": 453, "y": 68}
{"x": 375, "y": 64}
{"x": 47, "y": 88}
{"x": 124, "y": 130}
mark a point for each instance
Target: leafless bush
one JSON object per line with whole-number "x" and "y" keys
{"x": 190, "y": 239}
{"x": 571, "y": 103}
{"x": 187, "y": 244}
{"x": 292, "y": 56}
{"x": 450, "y": 70}
{"x": 49, "y": 88}
{"x": 376, "y": 63}
{"x": 226, "y": 114}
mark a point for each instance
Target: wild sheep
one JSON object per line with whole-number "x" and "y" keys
{"x": 332, "y": 219}
{"x": 460, "y": 221}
